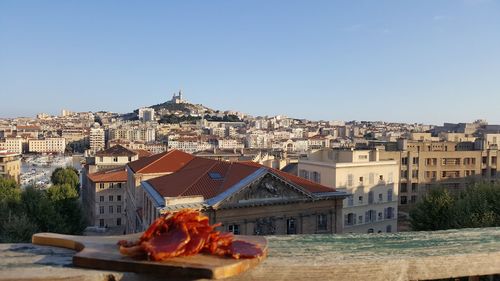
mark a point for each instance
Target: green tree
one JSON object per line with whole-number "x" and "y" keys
{"x": 8, "y": 183}
{"x": 477, "y": 206}
{"x": 65, "y": 201}
{"x": 65, "y": 176}
{"x": 434, "y": 212}
{"x": 19, "y": 228}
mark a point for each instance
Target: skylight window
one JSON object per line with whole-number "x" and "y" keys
{"x": 215, "y": 175}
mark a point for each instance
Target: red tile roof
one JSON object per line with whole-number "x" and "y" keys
{"x": 115, "y": 175}
{"x": 166, "y": 162}
{"x": 142, "y": 153}
{"x": 194, "y": 178}
{"x": 116, "y": 150}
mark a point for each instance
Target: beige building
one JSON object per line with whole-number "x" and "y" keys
{"x": 96, "y": 139}
{"x": 104, "y": 199}
{"x": 425, "y": 165}
{"x": 10, "y": 165}
{"x": 373, "y": 183}
{"x": 14, "y": 145}
{"x": 47, "y": 145}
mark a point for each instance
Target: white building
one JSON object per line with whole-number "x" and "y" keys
{"x": 14, "y": 145}
{"x": 47, "y": 145}
{"x": 146, "y": 114}
{"x": 372, "y": 207}
{"x": 96, "y": 138}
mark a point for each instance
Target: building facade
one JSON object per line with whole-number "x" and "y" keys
{"x": 104, "y": 199}
{"x": 47, "y": 145}
{"x": 247, "y": 198}
{"x": 372, "y": 183}
{"x": 10, "y": 165}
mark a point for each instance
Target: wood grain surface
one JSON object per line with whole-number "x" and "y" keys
{"x": 101, "y": 252}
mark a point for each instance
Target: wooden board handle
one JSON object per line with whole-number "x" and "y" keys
{"x": 57, "y": 240}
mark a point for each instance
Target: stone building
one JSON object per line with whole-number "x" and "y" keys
{"x": 246, "y": 197}
{"x": 10, "y": 165}
{"x": 425, "y": 165}
{"x": 372, "y": 183}
{"x": 104, "y": 199}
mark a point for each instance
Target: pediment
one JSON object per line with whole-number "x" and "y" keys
{"x": 269, "y": 188}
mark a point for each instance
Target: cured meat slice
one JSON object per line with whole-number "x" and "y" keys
{"x": 167, "y": 245}
{"x": 185, "y": 233}
{"x": 241, "y": 249}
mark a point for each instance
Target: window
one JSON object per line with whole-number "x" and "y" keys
{"x": 234, "y": 228}
{"x": 101, "y": 185}
{"x": 110, "y": 209}
{"x": 119, "y": 185}
{"x": 101, "y": 210}
{"x": 404, "y": 187}
{"x": 404, "y": 174}
{"x": 118, "y": 198}
{"x": 322, "y": 222}
{"x": 361, "y": 180}
{"x": 389, "y": 195}
{"x": 370, "y": 230}
{"x": 101, "y": 223}
{"x": 360, "y": 219}
{"x": 111, "y": 198}
{"x": 350, "y": 219}
{"x": 414, "y": 174}
{"x": 316, "y": 177}
{"x": 380, "y": 197}
{"x": 404, "y": 161}
{"x": 350, "y": 201}
{"x": 101, "y": 198}
{"x": 415, "y": 160}
{"x": 388, "y": 228}
{"x": 413, "y": 199}
{"x": 370, "y": 216}
{"x": 119, "y": 209}
{"x": 404, "y": 200}
{"x": 381, "y": 177}
{"x": 115, "y": 159}
{"x": 118, "y": 221}
{"x": 290, "y": 226}
{"x": 360, "y": 199}
{"x": 370, "y": 197}
{"x": 350, "y": 180}
{"x": 389, "y": 213}
{"x": 414, "y": 187}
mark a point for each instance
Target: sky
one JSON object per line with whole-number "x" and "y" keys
{"x": 425, "y": 61}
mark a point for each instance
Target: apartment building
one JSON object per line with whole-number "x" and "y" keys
{"x": 372, "y": 206}
{"x": 96, "y": 139}
{"x": 47, "y": 145}
{"x": 104, "y": 199}
{"x": 425, "y": 165}
{"x": 14, "y": 145}
{"x": 10, "y": 165}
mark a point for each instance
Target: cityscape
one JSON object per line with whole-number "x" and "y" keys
{"x": 372, "y": 155}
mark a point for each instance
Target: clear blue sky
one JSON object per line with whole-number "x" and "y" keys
{"x": 414, "y": 61}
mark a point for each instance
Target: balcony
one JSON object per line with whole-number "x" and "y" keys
{"x": 396, "y": 256}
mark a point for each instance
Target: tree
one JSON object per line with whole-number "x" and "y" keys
{"x": 8, "y": 183}
{"x": 65, "y": 176}
{"x": 477, "y": 206}
{"x": 18, "y": 229}
{"x": 64, "y": 198}
{"x": 434, "y": 212}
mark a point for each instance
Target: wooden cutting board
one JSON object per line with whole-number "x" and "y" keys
{"x": 101, "y": 252}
